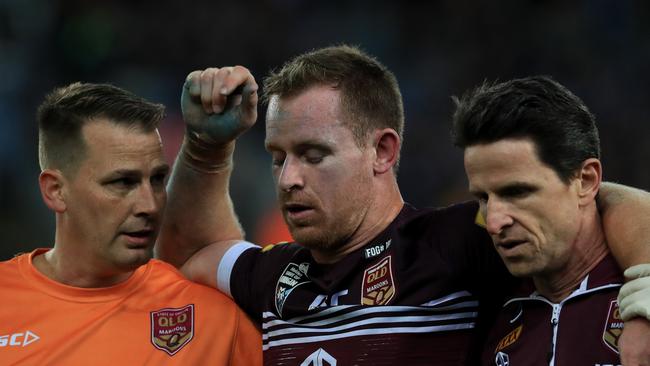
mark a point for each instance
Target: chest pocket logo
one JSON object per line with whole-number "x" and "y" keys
{"x": 378, "y": 287}
{"x": 613, "y": 327}
{"x": 172, "y": 328}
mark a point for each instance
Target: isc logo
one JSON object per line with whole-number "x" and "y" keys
{"x": 18, "y": 339}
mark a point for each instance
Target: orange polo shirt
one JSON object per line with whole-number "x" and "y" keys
{"x": 156, "y": 317}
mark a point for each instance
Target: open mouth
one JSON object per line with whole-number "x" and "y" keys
{"x": 297, "y": 211}
{"x": 296, "y": 208}
{"x": 139, "y": 238}
{"x": 511, "y": 244}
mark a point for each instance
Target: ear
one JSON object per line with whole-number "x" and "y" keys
{"x": 387, "y": 145}
{"x": 51, "y": 183}
{"x": 589, "y": 179}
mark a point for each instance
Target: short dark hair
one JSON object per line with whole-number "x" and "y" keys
{"x": 66, "y": 110}
{"x": 370, "y": 95}
{"x": 539, "y": 108}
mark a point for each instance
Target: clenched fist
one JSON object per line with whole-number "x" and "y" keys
{"x": 220, "y": 103}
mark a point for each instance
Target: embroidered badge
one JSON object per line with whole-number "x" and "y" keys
{"x": 509, "y": 339}
{"x": 378, "y": 287}
{"x": 613, "y": 327}
{"x": 172, "y": 328}
{"x": 293, "y": 276}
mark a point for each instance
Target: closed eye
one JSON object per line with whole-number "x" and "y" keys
{"x": 314, "y": 154}
{"x": 313, "y": 157}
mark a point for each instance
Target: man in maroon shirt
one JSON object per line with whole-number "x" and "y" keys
{"x": 532, "y": 159}
{"x": 371, "y": 280}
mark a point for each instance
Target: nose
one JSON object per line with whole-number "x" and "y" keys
{"x": 497, "y": 216}
{"x": 290, "y": 176}
{"x": 149, "y": 200}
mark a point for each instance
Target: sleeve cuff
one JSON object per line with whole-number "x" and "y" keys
{"x": 228, "y": 262}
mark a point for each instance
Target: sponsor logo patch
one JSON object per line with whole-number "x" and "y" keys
{"x": 509, "y": 339}
{"x": 376, "y": 250}
{"x": 502, "y": 359}
{"x": 172, "y": 328}
{"x": 378, "y": 287}
{"x": 319, "y": 358}
{"x": 18, "y": 339}
{"x": 613, "y": 327}
{"x": 293, "y": 276}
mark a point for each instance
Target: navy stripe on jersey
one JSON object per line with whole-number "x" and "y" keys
{"x": 453, "y": 312}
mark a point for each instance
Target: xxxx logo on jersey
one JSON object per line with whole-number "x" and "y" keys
{"x": 378, "y": 287}
{"x": 613, "y": 327}
{"x": 172, "y": 328}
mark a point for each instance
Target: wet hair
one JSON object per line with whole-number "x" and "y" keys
{"x": 66, "y": 110}
{"x": 538, "y": 108}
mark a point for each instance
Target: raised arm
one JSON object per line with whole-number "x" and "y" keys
{"x": 218, "y": 105}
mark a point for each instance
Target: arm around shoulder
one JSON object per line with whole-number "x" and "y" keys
{"x": 625, "y": 213}
{"x": 626, "y": 221}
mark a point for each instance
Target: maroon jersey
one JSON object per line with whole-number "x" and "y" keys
{"x": 582, "y": 329}
{"x": 417, "y": 294}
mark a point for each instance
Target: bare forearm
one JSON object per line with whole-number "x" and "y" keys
{"x": 218, "y": 105}
{"x": 626, "y": 220}
{"x": 199, "y": 210}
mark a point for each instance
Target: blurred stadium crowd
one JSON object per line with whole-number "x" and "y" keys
{"x": 600, "y": 49}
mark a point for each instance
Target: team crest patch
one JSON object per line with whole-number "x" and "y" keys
{"x": 293, "y": 276}
{"x": 613, "y": 327}
{"x": 172, "y": 328}
{"x": 378, "y": 287}
{"x": 509, "y": 339}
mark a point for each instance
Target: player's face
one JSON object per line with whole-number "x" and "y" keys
{"x": 532, "y": 216}
{"x": 323, "y": 178}
{"x": 114, "y": 203}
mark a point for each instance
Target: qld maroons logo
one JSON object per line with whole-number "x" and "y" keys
{"x": 613, "y": 327}
{"x": 172, "y": 328}
{"x": 378, "y": 287}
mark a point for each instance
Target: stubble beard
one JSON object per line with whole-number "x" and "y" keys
{"x": 324, "y": 240}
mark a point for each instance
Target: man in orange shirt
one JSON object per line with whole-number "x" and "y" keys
{"x": 97, "y": 297}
